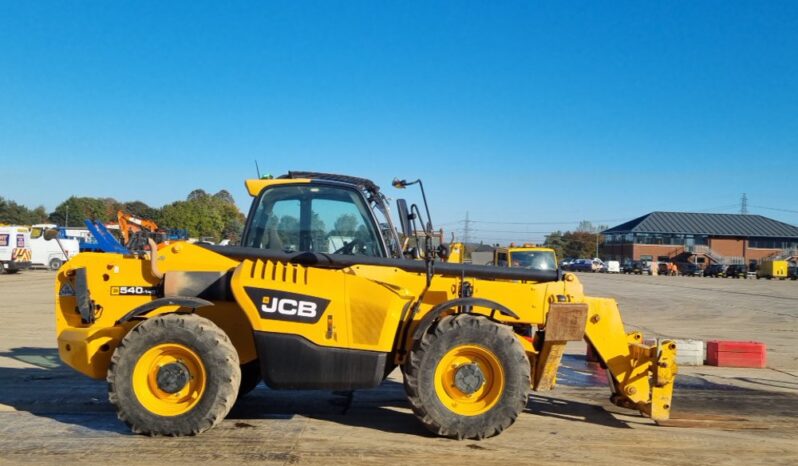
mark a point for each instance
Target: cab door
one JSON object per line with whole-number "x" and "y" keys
{"x": 303, "y": 314}
{"x": 287, "y": 298}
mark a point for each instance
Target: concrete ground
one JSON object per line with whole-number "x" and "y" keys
{"x": 49, "y": 413}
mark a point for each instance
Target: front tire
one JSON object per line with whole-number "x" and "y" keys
{"x": 176, "y": 374}
{"x": 467, "y": 377}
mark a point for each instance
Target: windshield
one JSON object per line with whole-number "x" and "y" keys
{"x": 535, "y": 260}
{"x": 325, "y": 219}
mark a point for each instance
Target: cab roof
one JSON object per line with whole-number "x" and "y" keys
{"x": 255, "y": 186}
{"x": 525, "y": 248}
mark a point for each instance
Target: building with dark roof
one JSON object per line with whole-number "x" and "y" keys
{"x": 701, "y": 238}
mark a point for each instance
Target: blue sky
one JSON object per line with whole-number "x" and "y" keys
{"x": 543, "y": 113}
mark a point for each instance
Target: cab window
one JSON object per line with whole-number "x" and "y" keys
{"x": 535, "y": 260}
{"x": 36, "y": 232}
{"x": 501, "y": 259}
{"x": 323, "y": 219}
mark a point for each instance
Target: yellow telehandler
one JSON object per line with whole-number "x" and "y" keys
{"x": 320, "y": 295}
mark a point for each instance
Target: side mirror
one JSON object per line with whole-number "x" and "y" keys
{"x": 50, "y": 234}
{"x": 404, "y": 216}
{"x": 443, "y": 251}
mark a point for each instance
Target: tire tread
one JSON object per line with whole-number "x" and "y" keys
{"x": 488, "y": 424}
{"x": 223, "y": 365}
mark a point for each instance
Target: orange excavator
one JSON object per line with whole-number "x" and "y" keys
{"x": 131, "y": 228}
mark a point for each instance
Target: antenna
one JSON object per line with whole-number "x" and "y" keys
{"x": 744, "y": 205}
{"x": 257, "y": 168}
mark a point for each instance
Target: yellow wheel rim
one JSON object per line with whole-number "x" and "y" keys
{"x": 480, "y": 399}
{"x": 178, "y": 395}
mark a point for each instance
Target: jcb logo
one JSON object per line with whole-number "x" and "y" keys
{"x": 289, "y": 307}
{"x": 282, "y": 305}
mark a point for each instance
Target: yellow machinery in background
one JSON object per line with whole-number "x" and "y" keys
{"x": 528, "y": 256}
{"x": 772, "y": 269}
{"x": 320, "y": 294}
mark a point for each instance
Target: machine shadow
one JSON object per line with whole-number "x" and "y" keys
{"x": 570, "y": 410}
{"x": 53, "y": 390}
{"x": 47, "y": 388}
{"x": 384, "y": 408}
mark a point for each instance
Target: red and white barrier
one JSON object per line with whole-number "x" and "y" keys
{"x": 736, "y": 353}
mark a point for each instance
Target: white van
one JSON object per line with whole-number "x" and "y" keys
{"x": 613, "y": 267}
{"x": 47, "y": 253}
{"x": 15, "y": 254}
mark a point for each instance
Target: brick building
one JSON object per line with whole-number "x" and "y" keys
{"x": 701, "y": 238}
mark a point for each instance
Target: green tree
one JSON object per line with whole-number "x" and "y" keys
{"x": 579, "y": 244}
{"x": 196, "y": 194}
{"x": 201, "y": 214}
{"x": 345, "y": 225}
{"x": 318, "y": 233}
{"x": 196, "y": 215}
{"x": 232, "y": 230}
{"x": 225, "y": 196}
{"x": 111, "y": 207}
{"x": 204, "y": 216}
{"x": 232, "y": 218}
{"x": 140, "y": 210}
{"x": 38, "y": 215}
{"x": 79, "y": 209}
{"x": 17, "y": 214}
{"x": 288, "y": 231}
{"x": 555, "y": 241}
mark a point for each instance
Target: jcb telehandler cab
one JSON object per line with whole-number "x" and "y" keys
{"x": 320, "y": 295}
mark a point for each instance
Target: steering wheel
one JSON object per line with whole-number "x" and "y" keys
{"x": 348, "y": 248}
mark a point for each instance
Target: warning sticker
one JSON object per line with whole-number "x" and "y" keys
{"x": 66, "y": 290}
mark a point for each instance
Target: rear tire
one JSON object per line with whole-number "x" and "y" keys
{"x": 55, "y": 264}
{"x": 176, "y": 374}
{"x": 467, "y": 377}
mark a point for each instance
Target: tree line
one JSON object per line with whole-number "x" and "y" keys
{"x": 204, "y": 215}
{"x": 216, "y": 216}
{"x": 584, "y": 242}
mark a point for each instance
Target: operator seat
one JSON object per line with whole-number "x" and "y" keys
{"x": 272, "y": 240}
